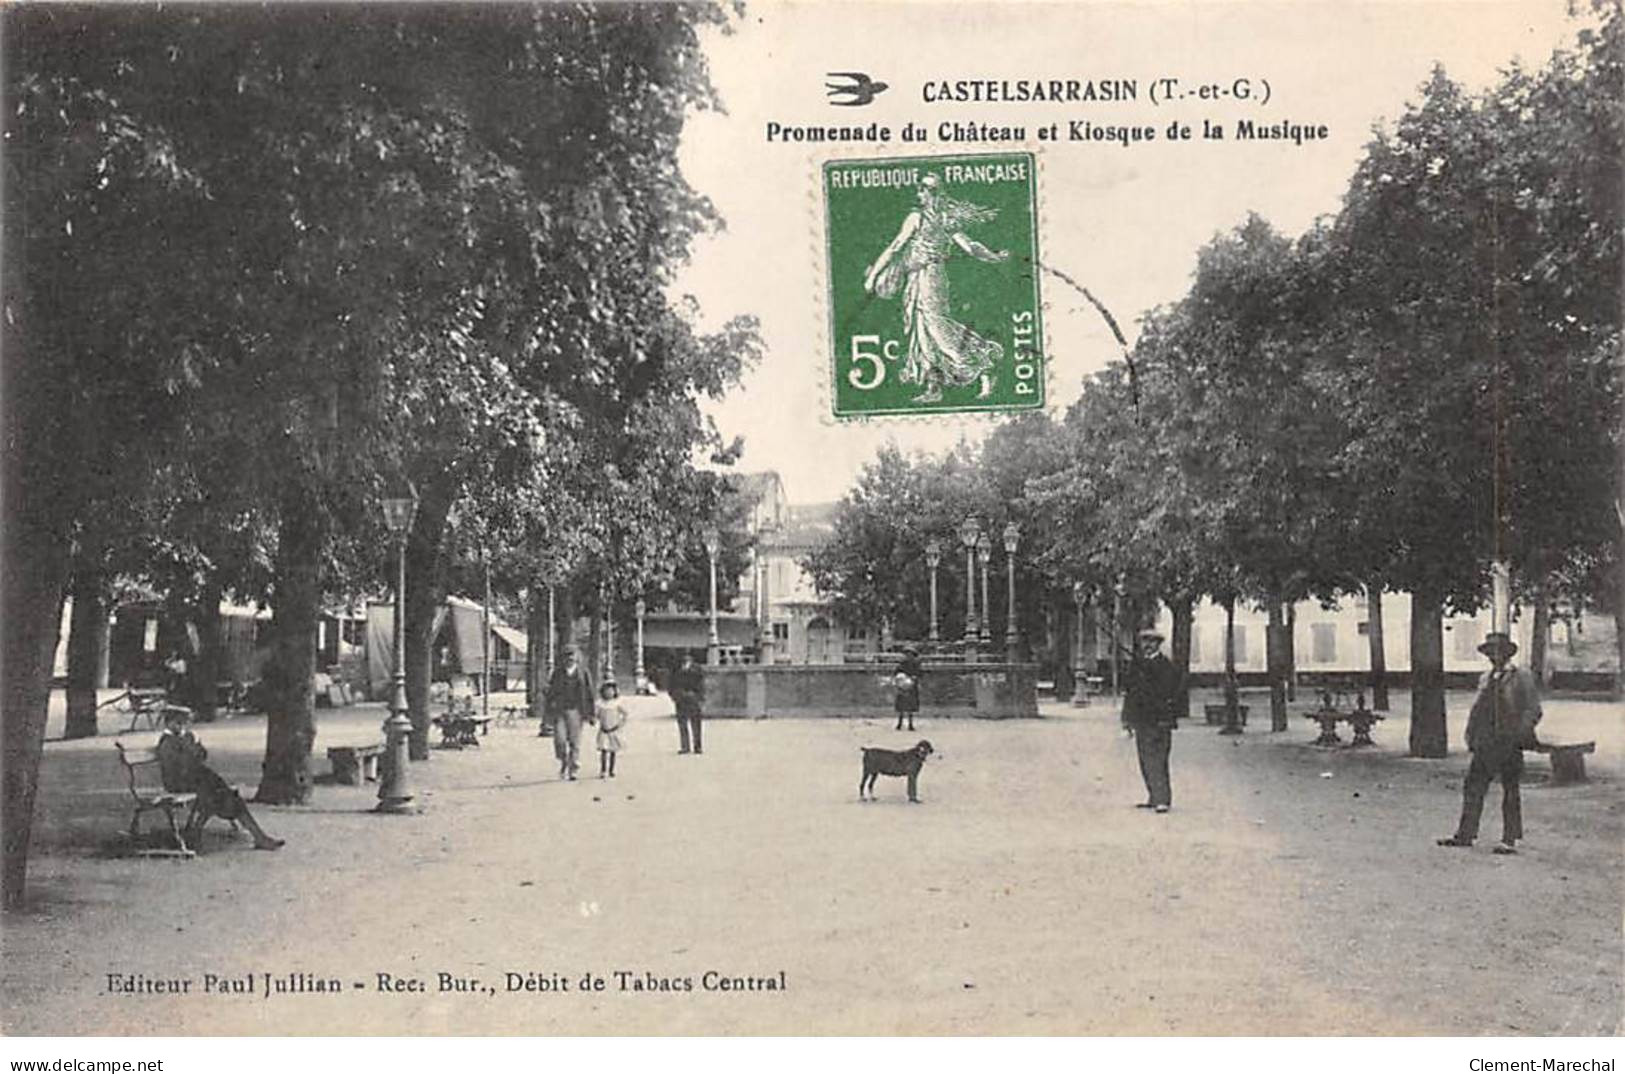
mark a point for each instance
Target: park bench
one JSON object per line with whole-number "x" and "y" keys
{"x": 145, "y": 703}
{"x": 1568, "y": 760}
{"x": 141, "y": 770}
{"x": 511, "y": 715}
{"x": 354, "y": 765}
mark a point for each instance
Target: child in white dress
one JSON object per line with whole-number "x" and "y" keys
{"x": 611, "y": 720}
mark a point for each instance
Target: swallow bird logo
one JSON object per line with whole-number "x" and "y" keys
{"x": 855, "y": 87}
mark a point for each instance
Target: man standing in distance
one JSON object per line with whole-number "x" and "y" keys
{"x": 1500, "y": 727}
{"x": 1150, "y": 712}
{"x": 688, "y": 694}
{"x": 570, "y": 700}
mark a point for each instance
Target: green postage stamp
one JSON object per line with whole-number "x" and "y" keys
{"x": 933, "y": 284}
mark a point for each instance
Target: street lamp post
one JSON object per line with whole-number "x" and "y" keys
{"x": 1012, "y": 636}
{"x": 640, "y": 680}
{"x": 969, "y": 531}
{"x": 485, "y": 636}
{"x": 713, "y": 643}
{"x": 552, "y": 635}
{"x": 609, "y": 638}
{"x": 1117, "y": 626}
{"x": 984, "y": 552}
{"x": 1080, "y": 675}
{"x": 933, "y": 557}
{"x": 764, "y": 617}
{"x": 394, "y": 796}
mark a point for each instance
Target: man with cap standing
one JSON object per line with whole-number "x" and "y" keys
{"x": 1150, "y": 710}
{"x": 1499, "y": 728}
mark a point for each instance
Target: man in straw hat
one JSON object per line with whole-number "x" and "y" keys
{"x": 1150, "y": 709}
{"x": 1500, "y": 728}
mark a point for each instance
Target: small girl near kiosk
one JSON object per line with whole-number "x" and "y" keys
{"x": 611, "y": 720}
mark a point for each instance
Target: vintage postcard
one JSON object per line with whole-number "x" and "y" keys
{"x": 808, "y": 518}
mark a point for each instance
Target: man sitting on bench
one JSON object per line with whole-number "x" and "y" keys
{"x": 181, "y": 759}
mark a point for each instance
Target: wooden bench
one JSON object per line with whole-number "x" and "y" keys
{"x": 1568, "y": 761}
{"x": 141, "y": 767}
{"x": 355, "y": 765}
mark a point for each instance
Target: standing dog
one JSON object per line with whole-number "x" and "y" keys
{"x": 879, "y": 762}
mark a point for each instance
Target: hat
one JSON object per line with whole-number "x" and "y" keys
{"x": 1150, "y": 635}
{"x": 1496, "y": 641}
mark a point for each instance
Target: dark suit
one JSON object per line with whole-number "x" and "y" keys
{"x": 688, "y": 694}
{"x": 1150, "y": 705}
{"x": 1499, "y": 728}
{"x": 569, "y": 701}
{"x": 907, "y": 699}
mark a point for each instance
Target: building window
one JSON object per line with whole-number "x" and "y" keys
{"x": 858, "y": 633}
{"x": 1363, "y": 628}
{"x": 781, "y": 631}
{"x": 1323, "y": 643}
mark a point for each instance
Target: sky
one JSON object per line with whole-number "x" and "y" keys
{"x": 1126, "y": 222}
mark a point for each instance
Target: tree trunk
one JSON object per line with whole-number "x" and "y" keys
{"x": 1379, "y": 658}
{"x": 1292, "y": 652}
{"x": 1275, "y": 660}
{"x": 36, "y": 577}
{"x": 87, "y": 630}
{"x": 290, "y": 729}
{"x": 1429, "y": 737}
{"x": 1232, "y": 694}
{"x": 1116, "y": 642}
{"x": 1619, "y": 640}
{"x": 595, "y": 632}
{"x": 1183, "y": 609}
{"x": 1066, "y": 683}
{"x": 425, "y": 593}
{"x": 564, "y": 620}
{"x": 536, "y": 630}
{"x": 211, "y": 634}
{"x": 1540, "y": 631}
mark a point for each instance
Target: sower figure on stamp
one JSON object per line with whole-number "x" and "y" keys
{"x": 906, "y": 683}
{"x": 940, "y": 349}
{"x": 1500, "y": 727}
{"x": 570, "y": 700}
{"x": 688, "y": 694}
{"x": 1150, "y": 705}
{"x": 181, "y": 762}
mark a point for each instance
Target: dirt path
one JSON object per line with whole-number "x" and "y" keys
{"x": 1292, "y": 891}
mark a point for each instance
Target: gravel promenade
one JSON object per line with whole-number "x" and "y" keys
{"x": 1293, "y": 890}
